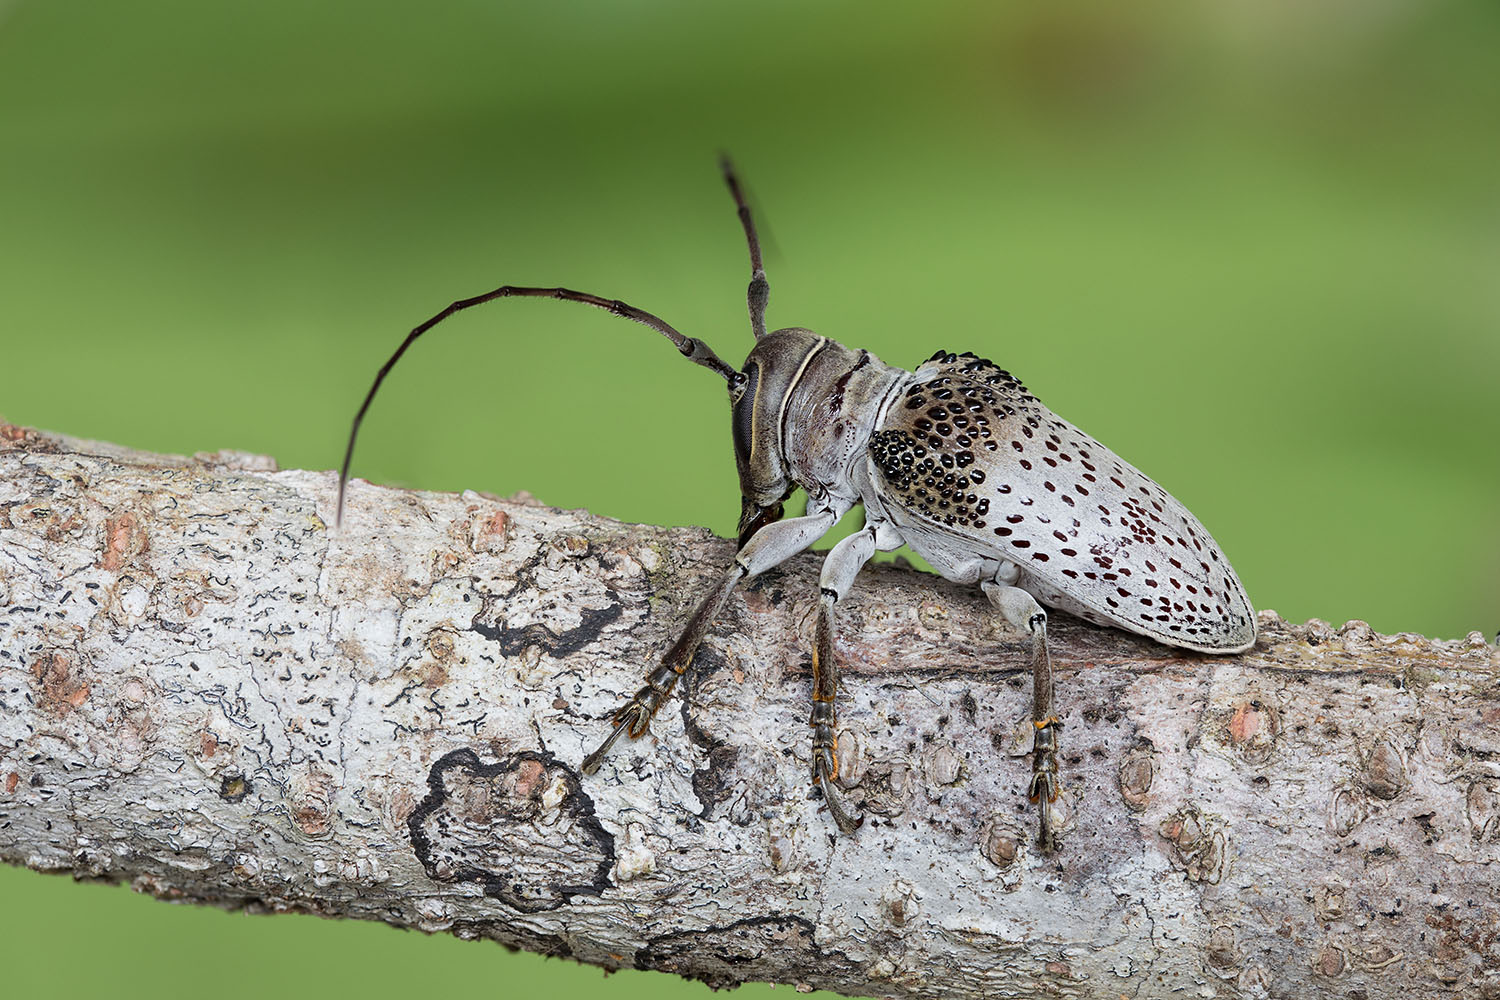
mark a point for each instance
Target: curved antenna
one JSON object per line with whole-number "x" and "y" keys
{"x": 760, "y": 290}
{"x": 691, "y": 348}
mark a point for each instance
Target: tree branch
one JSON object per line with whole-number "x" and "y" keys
{"x": 207, "y": 691}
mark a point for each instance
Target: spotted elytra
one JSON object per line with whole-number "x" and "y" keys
{"x": 955, "y": 459}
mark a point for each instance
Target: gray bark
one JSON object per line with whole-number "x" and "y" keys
{"x": 208, "y": 691}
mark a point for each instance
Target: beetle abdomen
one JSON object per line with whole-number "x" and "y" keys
{"x": 970, "y": 452}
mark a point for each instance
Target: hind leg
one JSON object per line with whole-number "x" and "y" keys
{"x": 1022, "y": 611}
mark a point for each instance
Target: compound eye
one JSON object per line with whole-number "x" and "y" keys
{"x": 737, "y": 386}
{"x": 744, "y": 412}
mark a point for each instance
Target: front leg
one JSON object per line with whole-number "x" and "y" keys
{"x": 839, "y": 570}
{"x": 770, "y": 546}
{"x": 1021, "y": 610}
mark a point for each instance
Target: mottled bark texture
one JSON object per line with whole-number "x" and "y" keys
{"x": 207, "y": 690}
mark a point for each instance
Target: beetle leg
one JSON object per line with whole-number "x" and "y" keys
{"x": 1021, "y": 610}
{"x": 839, "y": 570}
{"x": 771, "y": 545}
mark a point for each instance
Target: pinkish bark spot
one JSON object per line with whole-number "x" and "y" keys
{"x": 124, "y": 539}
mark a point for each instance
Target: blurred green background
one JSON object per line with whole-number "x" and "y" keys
{"x": 1253, "y": 246}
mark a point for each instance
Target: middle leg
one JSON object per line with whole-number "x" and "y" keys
{"x": 839, "y": 570}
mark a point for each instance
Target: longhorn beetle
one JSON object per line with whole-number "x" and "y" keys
{"x": 956, "y": 460}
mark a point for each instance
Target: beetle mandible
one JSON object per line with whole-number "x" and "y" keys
{"x": 956, "y": 460}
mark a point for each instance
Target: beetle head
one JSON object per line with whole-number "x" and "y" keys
{"x": 758, "y": 405}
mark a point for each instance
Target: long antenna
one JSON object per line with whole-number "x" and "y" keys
{"x": 760, "y": 290}
{"x": 693, "y": 349}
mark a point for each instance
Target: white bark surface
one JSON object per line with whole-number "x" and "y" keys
{"x": 206, "y": 690}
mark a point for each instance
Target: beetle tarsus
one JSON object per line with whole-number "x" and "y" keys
{"x": 632, "y": 717}
{"x": 1047, "y": 836}
{"x": 825, "y": 776}
{"x": 1045, "y": 786}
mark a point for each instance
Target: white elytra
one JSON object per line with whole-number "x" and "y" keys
{"x": 974, "y": 461}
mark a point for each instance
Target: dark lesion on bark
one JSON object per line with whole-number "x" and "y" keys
{"x": 489, "y": 621}
{"x": 514, "y": 641}
{"x": 477, "y": 818}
